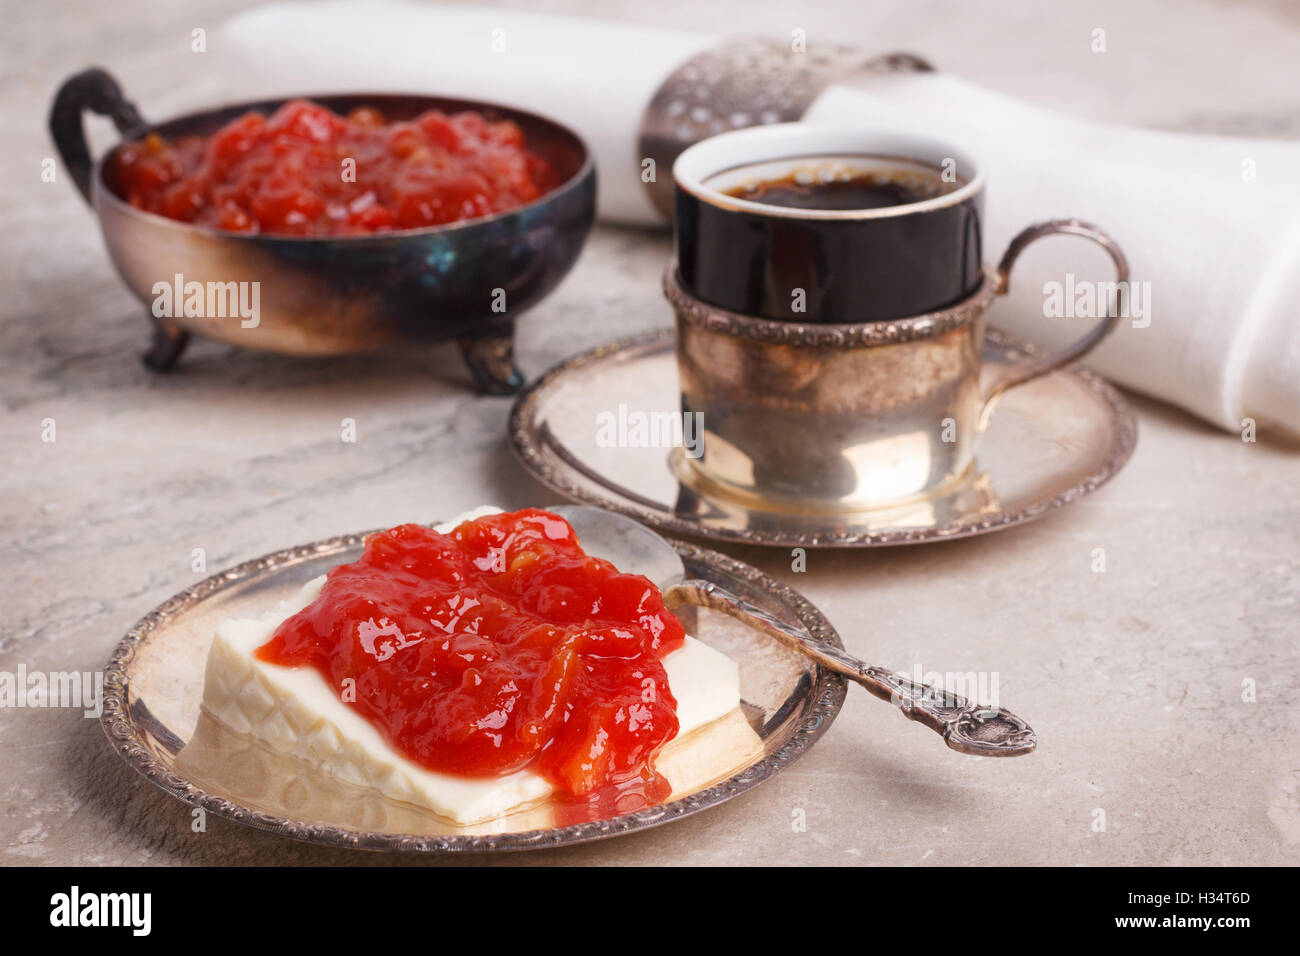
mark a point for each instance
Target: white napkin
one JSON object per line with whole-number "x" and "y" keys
{"x": 1218, "y": 252}
{"x": 1219, "y": 247}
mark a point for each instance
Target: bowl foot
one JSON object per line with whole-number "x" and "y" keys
{"x": 491, "y": 361}
{"x": 169, "y": 341}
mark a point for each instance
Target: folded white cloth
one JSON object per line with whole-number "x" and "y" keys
{"x": 1212, "y": 224}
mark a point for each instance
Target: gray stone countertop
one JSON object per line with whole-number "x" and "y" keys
{"x": 1133, "y": 677}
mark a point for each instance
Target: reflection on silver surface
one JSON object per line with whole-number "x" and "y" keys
{"x": 815, "y": 421}
{"x": 826, "y": 418}
{"x": 1048, "y": 443}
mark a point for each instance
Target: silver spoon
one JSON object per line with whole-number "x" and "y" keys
{"x": 965, "y": 726}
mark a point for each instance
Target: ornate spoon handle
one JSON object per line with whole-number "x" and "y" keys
{"x": 965, "y": 726}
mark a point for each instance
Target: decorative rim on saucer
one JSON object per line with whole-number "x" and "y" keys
{"x": 813, "y": 335}
{"x": 141, "y": 738}
{"x": 554, "y": 465}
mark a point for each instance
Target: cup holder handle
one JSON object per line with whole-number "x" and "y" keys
{"x": 95, "y": 90}
{"x": 1040, "y": 365}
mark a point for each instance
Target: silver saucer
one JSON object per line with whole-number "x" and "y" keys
{"x": 1049, "y": 443}
{"x": 154, "y": 685}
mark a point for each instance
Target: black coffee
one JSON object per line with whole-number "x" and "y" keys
{"x": 893, "y": 183}
{"x": 843, "y": 250}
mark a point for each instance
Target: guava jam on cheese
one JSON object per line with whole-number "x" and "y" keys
{"x": 306, "y": 171}
{"x": 497, "y": 647}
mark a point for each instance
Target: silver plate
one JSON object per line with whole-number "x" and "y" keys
{"x": 154, "y": 685}
{"x": 1049, "y": 443}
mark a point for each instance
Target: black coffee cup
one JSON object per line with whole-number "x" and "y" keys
{"x": 915, "y": 248}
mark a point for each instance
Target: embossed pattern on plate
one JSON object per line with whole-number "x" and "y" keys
{"x": 154, "y": 685}
{"x": 1049, "y": 443}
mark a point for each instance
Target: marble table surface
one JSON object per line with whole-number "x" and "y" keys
{"x": 1133, "y": 677}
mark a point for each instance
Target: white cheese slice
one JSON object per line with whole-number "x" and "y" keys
{"x": 705, "y": 683}
{"x": 294, "y": 711}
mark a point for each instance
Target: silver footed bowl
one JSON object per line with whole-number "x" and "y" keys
{"x": 466, "y": 281}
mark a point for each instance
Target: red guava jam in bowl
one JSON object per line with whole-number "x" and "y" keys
{"x": 307, "y": 171}
{"x": 498, "y": 647}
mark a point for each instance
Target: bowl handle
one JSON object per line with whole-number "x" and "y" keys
{"x": 95, "y": 90}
